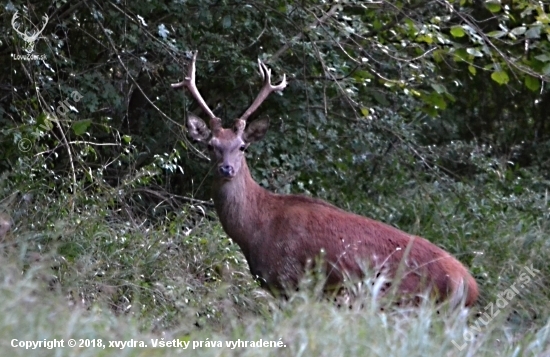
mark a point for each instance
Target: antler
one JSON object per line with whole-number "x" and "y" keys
{"x": 33, "y": 35}
{"x": 265, "y": 91}
{"x": 45, "y": 18}
{"x": 189, "y": 83}
{"x": 13, "y": 19}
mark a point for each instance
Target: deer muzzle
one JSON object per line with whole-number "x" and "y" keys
{"x": 226, "y": 171}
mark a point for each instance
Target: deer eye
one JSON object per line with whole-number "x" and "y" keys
{"x": 242, "y": 148}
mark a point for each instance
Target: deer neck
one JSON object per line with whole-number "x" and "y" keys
{"x": 237, "y": 203}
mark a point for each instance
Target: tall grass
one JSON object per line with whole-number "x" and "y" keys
{"x": 97, "y": 275}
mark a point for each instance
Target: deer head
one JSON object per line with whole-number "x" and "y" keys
{"x": 227, "y": 146}
{"x": 28, "y": 37}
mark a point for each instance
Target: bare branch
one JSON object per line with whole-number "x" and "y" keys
{"x": 296, "y": 38}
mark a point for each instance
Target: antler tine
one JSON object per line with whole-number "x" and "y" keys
{"x": 46, "y": 19}
{"x": 265, "y": 91}
{"x": 189, "y": 83}
{"x": 37, "y": 32}
{"x": 16, "y": 28}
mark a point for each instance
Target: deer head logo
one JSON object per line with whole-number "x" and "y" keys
{"x": 29, "y": 37}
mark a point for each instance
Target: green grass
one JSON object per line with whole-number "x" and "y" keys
{"x": 97, "y": 275}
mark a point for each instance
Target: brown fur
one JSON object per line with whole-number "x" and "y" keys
{"x": 280, "y": 234}
{"x": 5, "y": 225}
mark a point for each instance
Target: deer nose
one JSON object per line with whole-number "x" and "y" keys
{"x": 226, "y": 170}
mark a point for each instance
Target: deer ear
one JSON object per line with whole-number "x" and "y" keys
{"x": 256, "y": 130}
{"x": 197, "y": 128}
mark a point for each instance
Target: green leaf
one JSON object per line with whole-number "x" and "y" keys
{"x": 543, "y": 18}
{"x": 365, "y": 112}
{"x": 546, "y": 69}
{"x": 533, "y": 32}
{"x": 43, "y": 122}
{"x": 381, "y": 98}
{"x": 518, "y": 30}
{"x": 493, "y": 6}
{"x": 474, "y": 52}
{"x": 472, "y": 70}
{"x": 461, "y": 55}
{"x": 438, "y": 101}
{"x": 439, "y": 88}
{"x": 438, "y": 55}
{"x": 543, "y": 58}
{"x": 457, "y": 31}
{"x": 435, "y": 100}
{"x": 497, "y": 34}
{"x": 80, "y": 127}
{"x": 425, "y": 38}
{"x": 226, "y": 22}
{"x": 532, "y": 83}
{"x": 127, "y": 138}
{"x": 361, "y": 76}
{"x": 450, "y": 97}
{"x": 431, "y": 111}
{"x": 501, "y": 77}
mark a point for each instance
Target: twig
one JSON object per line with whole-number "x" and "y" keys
{"x": 287, "y": 45}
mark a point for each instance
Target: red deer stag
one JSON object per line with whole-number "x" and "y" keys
{"x": 280, "y": 235}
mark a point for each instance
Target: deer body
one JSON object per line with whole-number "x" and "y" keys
{"x": 280, "y": 235}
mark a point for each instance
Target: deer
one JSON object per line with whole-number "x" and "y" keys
{"x": 280, "y": 235}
